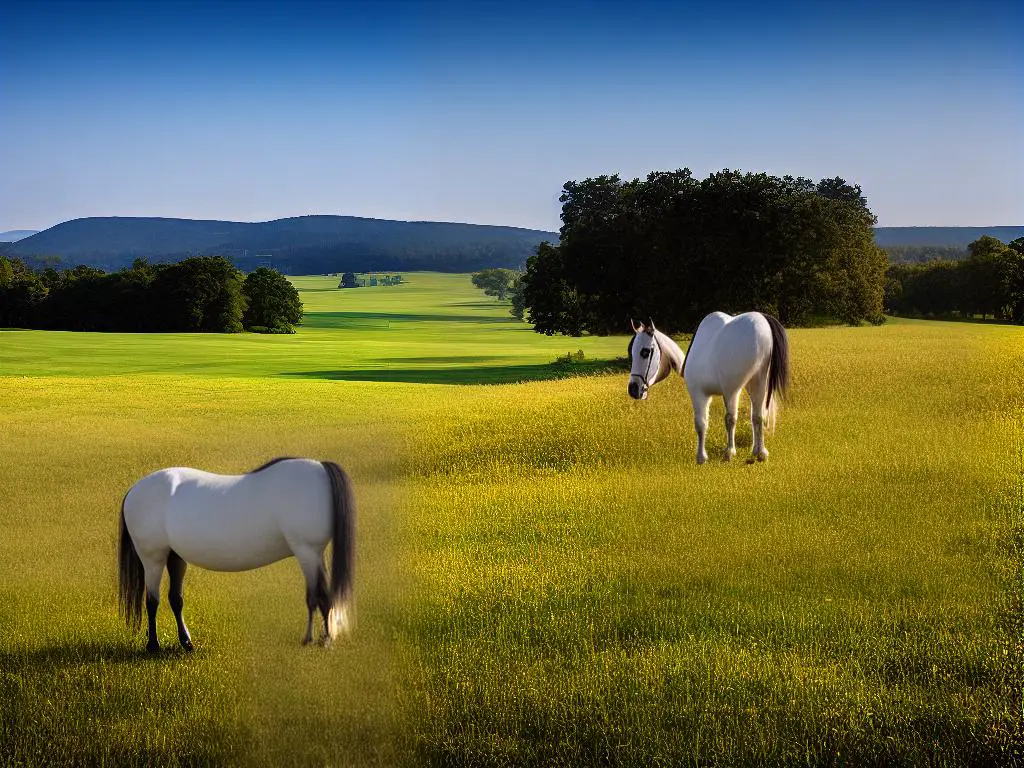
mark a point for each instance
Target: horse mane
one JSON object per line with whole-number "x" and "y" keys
{"x": 671, "y": 350}
{"x": 686, "y": 355}
{"x": 270, "y": 463}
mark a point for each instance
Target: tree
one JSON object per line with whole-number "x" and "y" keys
{"x": 553, "y": 305}
{"x": 517, "y": 298}
{"x": 348, "y": 280}
{"x": 987, "y": 277}
{"x": 1015, "y": 280}
{"x": 22, "y": 294}
{"x": 495, "y": 282}
{"x": 201, "y": 293}
{"x": 675, "y": 247}
{"x": 272, "y": 301}
{"x": 6, "y": 272}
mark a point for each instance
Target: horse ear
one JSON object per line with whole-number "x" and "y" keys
{"x": 633, "y": 326}
{"x": 650, "y": 326}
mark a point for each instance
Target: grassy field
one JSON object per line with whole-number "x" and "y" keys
{"x": 433, "y": 328}
{"x": 544, "y": 576}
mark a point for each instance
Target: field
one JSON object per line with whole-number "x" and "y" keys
{"x": 544, "y": 576}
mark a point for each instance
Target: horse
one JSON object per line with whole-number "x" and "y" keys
{"x": 287, "y": 507}
{"x": 726, "y": 355}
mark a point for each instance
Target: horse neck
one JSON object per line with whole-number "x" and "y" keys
{"x": 670, "y": 353}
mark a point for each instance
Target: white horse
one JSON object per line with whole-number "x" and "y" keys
{"x": 286, "y": 507}
{"x": 727, "y": 355}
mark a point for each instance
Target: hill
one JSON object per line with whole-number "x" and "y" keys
{"x": 322, "y": 244}
{"x": 13, "y": 235}
{"x": 300, "y": 245}
{"x": 959, "y": 237}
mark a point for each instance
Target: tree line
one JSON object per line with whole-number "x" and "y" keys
{"x": 988, "y": 283}
{"x": 919, "y": 254}
{"x": 202, "y": 293}
{"x": 675, "y": 247}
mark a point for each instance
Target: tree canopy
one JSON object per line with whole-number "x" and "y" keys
{"x": 503, "y": 284}
{"x": 272, "y": 301}
{"x": 495, "y": 282}
{"x": 675, "y": 247}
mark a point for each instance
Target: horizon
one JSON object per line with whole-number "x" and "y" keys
{"x": 421, "y": 221}
{"x": 478, "y": 113}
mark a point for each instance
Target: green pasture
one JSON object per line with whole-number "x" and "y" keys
{"x": 431, "y": 328}
{"x": 544, "y": 575}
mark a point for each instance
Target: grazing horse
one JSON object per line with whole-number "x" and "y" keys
{"x": 727, "y": 355}
{"x": 286, "y": 507}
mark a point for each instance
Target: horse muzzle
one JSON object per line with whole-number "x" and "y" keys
{"x": 637, "y": 391}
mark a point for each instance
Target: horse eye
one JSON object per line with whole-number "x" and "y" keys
{"x": 645, "y": 353}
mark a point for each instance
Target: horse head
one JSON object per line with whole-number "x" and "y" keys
{"x": 645, "y": 359}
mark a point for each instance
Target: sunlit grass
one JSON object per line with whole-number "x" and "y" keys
{"x": 76, "y": 685}
{"x": 543, "y": 575}
{"x": 433, "y": 327}
{"x": 591, "y": 595}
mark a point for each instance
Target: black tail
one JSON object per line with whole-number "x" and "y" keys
{"x": 342, "y": 545}
{"x": 778, "y": 368}
{"x": 131, "y": 578}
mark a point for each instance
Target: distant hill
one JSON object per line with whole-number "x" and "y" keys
{"x": 301, "y": 245}
{"x": 14, "y": 235}
{"x": 321, "y": 244}
{"x": 959, "y": 237}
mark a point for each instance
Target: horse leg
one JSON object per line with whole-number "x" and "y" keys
{"x": 323, "y": 598}
{"x": 732, "y": 404}
{"x": 176, "y": 596}
{"x": 701, "y": 404}
{"x": 312, "y": 564}
{"x": 154, "y": 570}
{"x": 758, "y": 415}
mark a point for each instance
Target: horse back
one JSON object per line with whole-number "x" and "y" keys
{"x": 232, "y": 522}
{"x": 727, "y": 351}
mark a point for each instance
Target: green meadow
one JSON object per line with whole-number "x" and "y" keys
{"x": 433, "y": 328}
{"x": 544, "y": 576}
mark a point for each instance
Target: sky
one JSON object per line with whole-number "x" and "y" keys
{"x": 480, "y": 111}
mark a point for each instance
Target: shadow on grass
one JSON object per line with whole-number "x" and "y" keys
{"x": 496, "y": 374}
{"x": 85, "y": 652}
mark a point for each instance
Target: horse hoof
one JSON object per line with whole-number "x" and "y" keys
{"x": 729, "y": 455}
{"x": 187, "y": 645}
{"x": 702, "y": 459}
{"x": 761, "y": 455}
{"x": 153, "y": 648}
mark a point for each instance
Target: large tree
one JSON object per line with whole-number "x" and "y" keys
{"x": 495, "y": 282}
{"x": 675, "y": 247}
{"x": 273, "y": 302}
{"x": 201, "y": 293}
{"x": 22, "y": 294}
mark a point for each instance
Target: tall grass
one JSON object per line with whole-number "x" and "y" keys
{"x": 543, "y": 576}
{"x": 591, "y": 595}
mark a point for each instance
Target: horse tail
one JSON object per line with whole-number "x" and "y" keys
{"x": 778, "y": 368}
{"x": 131, "y": 577}
{"x": 342, "y": 545}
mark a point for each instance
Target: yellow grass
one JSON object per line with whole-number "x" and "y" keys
{"x": 544, "y": 575}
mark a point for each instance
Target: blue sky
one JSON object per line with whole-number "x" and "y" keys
{"x": 479, "y": 112}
